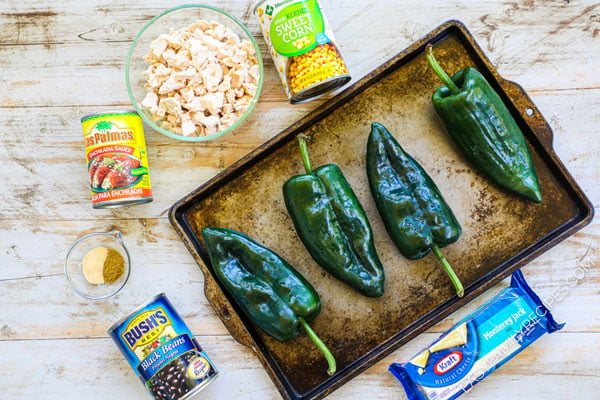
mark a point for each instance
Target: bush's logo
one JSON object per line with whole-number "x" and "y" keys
{"x": 145, "y": 328}
{"x": 448, "y": 362}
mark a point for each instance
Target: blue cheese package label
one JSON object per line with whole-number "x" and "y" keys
{"x": 477, "y": 345}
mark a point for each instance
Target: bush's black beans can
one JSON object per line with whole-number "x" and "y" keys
{"x": 162, "y": 351}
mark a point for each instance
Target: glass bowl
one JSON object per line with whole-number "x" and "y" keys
{"x": 74, "y": 268}
{"x": 177, "y": 18}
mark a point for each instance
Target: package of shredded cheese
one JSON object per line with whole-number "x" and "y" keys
{"x": 477, "y": 345}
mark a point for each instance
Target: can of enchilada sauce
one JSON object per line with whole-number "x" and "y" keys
{"x": 115, "y": 152}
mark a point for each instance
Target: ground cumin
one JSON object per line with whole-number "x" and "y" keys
{"x": 103, "y": 265}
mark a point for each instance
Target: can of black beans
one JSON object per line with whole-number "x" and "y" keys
{"x": 163, "y": 352}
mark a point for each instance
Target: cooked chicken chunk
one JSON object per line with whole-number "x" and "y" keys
{"x": 200, "y": 78}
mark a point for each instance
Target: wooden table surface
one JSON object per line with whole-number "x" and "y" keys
{"x": 61, "y": 60}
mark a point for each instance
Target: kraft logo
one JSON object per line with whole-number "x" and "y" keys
{"x": 448, "y": 362}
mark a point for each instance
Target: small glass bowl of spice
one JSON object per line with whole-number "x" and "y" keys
{"x": 97, "y": 265}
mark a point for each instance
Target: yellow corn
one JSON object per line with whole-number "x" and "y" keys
{"x": 317, "y": 65}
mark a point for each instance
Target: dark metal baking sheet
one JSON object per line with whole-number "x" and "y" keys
{"x": 501, "y": 232}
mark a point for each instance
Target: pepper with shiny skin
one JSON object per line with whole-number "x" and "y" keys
{"x": 482, "y": 127}
{"x": 415, "y": 214}
{"x": 271, "y": 292}
{"x": 333, "y": 226}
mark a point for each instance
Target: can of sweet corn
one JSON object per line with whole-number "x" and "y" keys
{"x": 303, "y": 48}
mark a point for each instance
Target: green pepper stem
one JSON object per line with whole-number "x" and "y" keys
{"x": 440, "y": 71}
{"x": 448, "y": 268}
{"x": 304, "y": 153}
{"x": 316, "y": 340}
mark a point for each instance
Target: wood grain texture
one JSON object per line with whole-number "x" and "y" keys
{"x": 61, "y": 60}
{"x": 94, "y": 367}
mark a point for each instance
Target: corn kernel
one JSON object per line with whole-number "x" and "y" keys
{"x": 317, "y": 65}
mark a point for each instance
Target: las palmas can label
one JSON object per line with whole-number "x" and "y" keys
{"x": 115, "y": 151}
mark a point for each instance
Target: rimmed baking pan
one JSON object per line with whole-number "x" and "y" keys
{"x": 501, "y": 232}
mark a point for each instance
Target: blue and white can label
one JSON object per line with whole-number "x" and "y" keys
{"x": 162, "y": 351}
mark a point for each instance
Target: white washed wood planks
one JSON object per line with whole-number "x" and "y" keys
{"x": 94, "y": 369}
{"x": 71, "y": 57}
{"x": 49, "y": 180}
{"x": 64, "y": 59}
{"x": 55, "y": 173}
{"x": 157, "y": 253}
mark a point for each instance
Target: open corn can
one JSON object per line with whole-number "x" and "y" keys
{"x": 303, "y": 48}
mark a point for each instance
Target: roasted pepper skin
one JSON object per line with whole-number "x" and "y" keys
{"x": 483, "y": 129}
{"x": 269, "y": 290}
{"x": 414, "y": 212}
{"x": 333, "y": 226}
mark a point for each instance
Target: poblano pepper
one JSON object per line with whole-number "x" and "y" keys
{"x": 480, "y": 124}
{"x": 271, "y": 292}
{"x": 333, "y": 226}
{"x": 414, "y": 212}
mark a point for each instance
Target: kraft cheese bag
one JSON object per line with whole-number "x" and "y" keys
{"x": 477, "y": 345}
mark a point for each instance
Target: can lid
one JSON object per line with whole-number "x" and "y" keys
{"x": 258, "y": 3}
{"x": 117, "y": 112}
{"x": 125, "y": 318}
{"x": 192, "y": 394}
{"x": 320, "y": 89}
{"x": 134, "y": 201}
